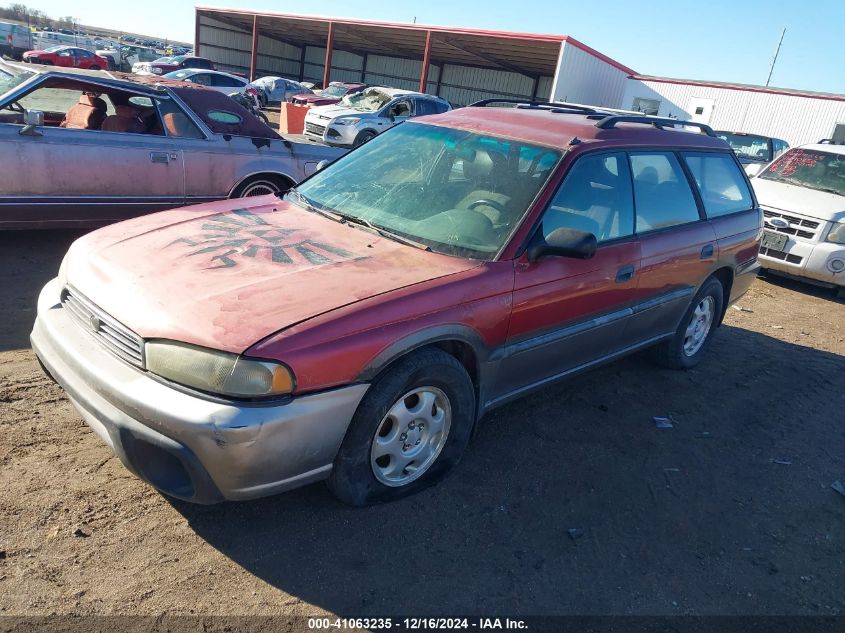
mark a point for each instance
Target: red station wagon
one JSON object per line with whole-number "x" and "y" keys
{"x": 357, "y": 329}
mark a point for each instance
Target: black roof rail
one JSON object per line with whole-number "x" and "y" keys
{"x": 553, "y": 106}
{"x": 658, "y": 122}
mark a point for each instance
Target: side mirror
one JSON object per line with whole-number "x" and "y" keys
{"x": 32, "y": 120}
{"x": 322, "y": 165}
{"x": 563, "y": 243}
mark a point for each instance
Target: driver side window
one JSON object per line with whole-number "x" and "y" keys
{"x": 401, "y": 109}
{"x": 595, "y": 197}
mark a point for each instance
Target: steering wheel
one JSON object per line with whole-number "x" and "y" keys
{"x": 489, "y": 203}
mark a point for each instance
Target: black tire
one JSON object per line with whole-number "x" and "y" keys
{"x": 261, "y": 186}
{"x": 363, "y": 137}
{"x": 671, "y": 353}
{"x": 353, "y": 480}
{"x": 839, "y": 293}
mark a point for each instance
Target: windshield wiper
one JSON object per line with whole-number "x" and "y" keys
{"x": 354, "y": 219}
{"x": 310, "y": 206}
{"x": 337, "y": 216}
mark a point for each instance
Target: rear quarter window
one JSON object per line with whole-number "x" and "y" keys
{"x": 722, "y": 186}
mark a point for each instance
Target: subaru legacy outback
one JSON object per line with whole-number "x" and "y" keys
{"x": 357, "y": 329}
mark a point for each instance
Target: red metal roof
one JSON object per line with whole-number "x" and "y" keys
{"x": 540, "y": 38}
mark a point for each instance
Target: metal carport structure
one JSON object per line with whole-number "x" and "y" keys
{"x": 459, "y": 64}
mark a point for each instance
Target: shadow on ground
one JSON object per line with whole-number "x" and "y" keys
{"x": 28, "y": 260}
{"x": 571, "y": 501}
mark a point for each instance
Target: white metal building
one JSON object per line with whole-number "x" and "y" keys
{"x": 796, "y": 116}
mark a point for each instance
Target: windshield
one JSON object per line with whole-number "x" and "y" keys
{"x": 368, "y": 101}
{"x": 456, "y": 192}
{"x": 823, "y": 171}
{"x": 334, "y": 91}
{"x": 54, "y": 49}
{"x": 166, "y": 60}
{"x": 11, "y": 77}
{"x": 748, "y": 145}
{"x": 178, "y": 74}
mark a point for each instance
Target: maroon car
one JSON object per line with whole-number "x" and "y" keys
{"x": 331, "y": 95}
{"x": 358, "y": 329}
{"x": 166, "y": 65}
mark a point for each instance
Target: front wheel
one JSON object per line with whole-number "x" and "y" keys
{"x": 262, "y": 186}
{"x": 410, "y": 429}
{"x": 693, "y": 336}
{"x": 363, "y": 137}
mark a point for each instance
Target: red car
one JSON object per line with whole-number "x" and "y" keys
{"x": 331, "y": 95}
{"x": 67, "y": 56}
{"x": 358, "y": 329}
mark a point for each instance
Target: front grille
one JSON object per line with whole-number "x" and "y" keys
{"x": 798, "y": 227}
{"x": 313, "y": 128}
{"x": 114, "y": 336}
{"x": 786, "y": 257}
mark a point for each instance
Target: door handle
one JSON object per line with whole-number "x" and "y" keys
{"x": 707, "y": 251}
{"x": 160, "y": 157}
{"x": 624, "y": 274}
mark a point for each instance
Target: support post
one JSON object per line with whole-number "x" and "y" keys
{"x": 425, "y": 63}
{"x": 253, "y": 58}
{"x": 327, "y": 68}
{"x": 197, "y": 34}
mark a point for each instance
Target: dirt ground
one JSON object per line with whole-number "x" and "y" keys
{"x": 567, "y": 502}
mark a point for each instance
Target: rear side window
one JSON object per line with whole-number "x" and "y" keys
{"x": 595, "y": 197}
{"x": 661, "y": 192}
{"x": 722, "y": 185}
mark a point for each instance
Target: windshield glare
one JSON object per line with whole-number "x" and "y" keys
{"x": 457, "y": 192}
{"x": 12, "y": 77}
{"x": 334, "y": 91}
{"x": 748, "y": 145}
{"x": 366, "y": 101}
{"x": 813, "y": 169}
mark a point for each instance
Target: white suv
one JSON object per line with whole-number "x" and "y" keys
{"x": 802, "y": 195}
{"x": 361, "y": 116}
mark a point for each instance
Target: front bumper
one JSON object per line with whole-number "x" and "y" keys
{"x": 336, "y": 135}
{"x": 186, "y": 445}
{"x": 809, "y": 260}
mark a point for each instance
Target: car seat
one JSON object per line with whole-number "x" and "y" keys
{"x": 88, "y": 114}
{"x": 125, "y": 119}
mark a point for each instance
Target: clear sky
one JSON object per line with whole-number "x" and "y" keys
{"x": 718, "y": 40}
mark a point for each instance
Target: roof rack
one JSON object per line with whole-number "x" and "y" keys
{"x": 552, "y": 106}
{"x": 658, "y": 122}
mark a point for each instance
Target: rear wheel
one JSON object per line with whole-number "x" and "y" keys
{"x": 692, "y": 338}
{"x": 410, "y": 429}
{"x": 267, "y": 184}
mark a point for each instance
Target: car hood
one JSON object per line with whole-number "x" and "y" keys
{"x": 333, "y": 111}
{"x": 810, "y": 202}
{"x": 228, "y": 274}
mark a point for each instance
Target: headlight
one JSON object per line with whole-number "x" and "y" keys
{"x": 837, "y": 233}
{"x": 217, "y": 372}
{"x": 157, "y": 71}
{"x": 346, "y": 121}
